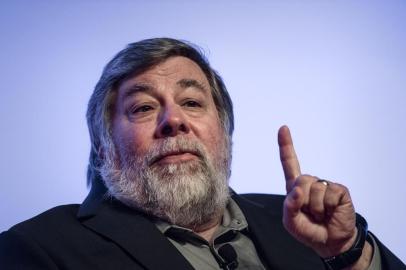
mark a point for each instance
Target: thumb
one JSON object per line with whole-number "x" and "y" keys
{"x": 293, "y": 203}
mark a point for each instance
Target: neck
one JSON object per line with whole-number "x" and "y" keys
{"x": 207, "y": 231}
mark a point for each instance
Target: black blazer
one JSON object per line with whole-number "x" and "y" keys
{"x": 105, "y": 234}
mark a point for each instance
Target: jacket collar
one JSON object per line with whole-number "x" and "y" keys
{"x": 131, "y": 230}
{"x": 277, "y": 248}
{"x": 135, "y": 233}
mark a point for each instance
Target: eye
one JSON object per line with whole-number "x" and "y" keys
{"x": 192, "y": 103}
{"x": 141, "y": 109}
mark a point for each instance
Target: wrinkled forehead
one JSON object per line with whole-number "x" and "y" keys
{"x": 173, "y": 73}
{"x": 174, "y": 68}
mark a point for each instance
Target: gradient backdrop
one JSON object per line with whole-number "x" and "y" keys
{"x": 334, "y": 71}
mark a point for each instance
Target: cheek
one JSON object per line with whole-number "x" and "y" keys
{"x": 214, "y": 139}
{"x": 132, "y": 140}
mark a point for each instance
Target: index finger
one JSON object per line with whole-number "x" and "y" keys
{"x": 290, "y": 163}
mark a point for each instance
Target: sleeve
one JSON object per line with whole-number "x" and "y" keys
{"x": 376, "y": 262}
{"x": 388, "y": 261}
{"x": 20, "y": 252}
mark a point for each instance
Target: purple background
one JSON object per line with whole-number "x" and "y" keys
{"x": 334, "y": 71}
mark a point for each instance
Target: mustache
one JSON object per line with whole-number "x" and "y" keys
{"x": 173, "y": 146}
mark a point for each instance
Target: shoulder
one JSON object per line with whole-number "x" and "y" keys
{"x": 55, "y": 218}
{"x": 264, "y": 199}
{"x": 24, "y": 243}
{"x": 270, "y": 202}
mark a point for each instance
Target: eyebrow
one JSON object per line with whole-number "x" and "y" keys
{"x": 143, "y": 87}
{"x": 136, "y": 88}
{"x": 186, "y": 83}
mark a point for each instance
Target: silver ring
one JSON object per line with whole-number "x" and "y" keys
{"x": 324, "y": 182}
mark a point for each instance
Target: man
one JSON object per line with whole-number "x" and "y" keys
{"x": 160, "y": 122}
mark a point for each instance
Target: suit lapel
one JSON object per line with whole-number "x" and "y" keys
{"x": 274, "y": 244}
{"x": 139, "y": 237}
{"x": 135, "y": 234}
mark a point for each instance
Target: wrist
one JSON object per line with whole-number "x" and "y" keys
{"x": 352, "y": 255}
{"x": 365, "y": 260}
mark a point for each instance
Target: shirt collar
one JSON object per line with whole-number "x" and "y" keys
{"x": 233, "y": 219}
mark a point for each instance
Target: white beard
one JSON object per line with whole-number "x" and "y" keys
{"x": 188, "y": 194}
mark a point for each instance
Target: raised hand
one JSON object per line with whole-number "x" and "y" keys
{"x": 319, "y": 214}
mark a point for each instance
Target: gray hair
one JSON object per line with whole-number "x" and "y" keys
{"x": 134, "y": 59}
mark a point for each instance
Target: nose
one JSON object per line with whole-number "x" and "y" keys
{"x": 172, "y": 122}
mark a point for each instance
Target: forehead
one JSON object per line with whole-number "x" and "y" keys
{"x": 172, "y": 71}
{"x": 174, "y": 68}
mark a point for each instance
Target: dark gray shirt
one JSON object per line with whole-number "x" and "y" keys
{"x": 204, "y": 255}
{"x": 232, "y": 230}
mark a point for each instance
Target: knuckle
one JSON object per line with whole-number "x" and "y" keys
{"x": 339, "y": 187}
{"x": 318, "y": 187}
{"x": 308, "y": 176}
{"x": 329, "y": 202}
{"x": 305, "y": 179}
{"x": 317, "y": 208}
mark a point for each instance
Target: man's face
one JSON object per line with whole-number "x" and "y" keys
{"x": 172, "y": 99}
{"x": 170, "y": 144}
